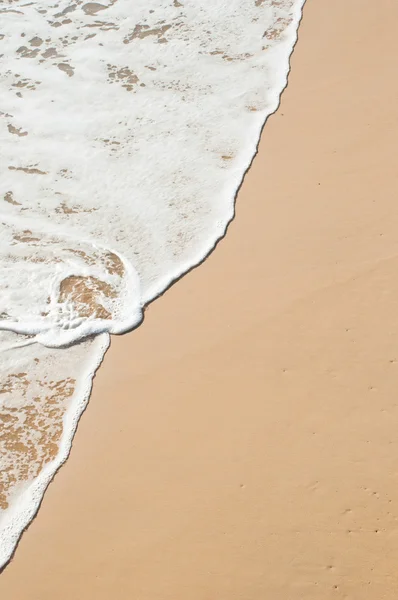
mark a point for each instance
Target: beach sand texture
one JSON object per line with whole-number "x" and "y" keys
{"x": 242, "y": 443}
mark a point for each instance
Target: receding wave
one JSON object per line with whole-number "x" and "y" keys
{"x": 126, "y": 129}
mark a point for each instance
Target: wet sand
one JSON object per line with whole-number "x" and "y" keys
{"x": 243, "y": 442}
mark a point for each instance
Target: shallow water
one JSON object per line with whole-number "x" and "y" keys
{"x": 126, "y": 129}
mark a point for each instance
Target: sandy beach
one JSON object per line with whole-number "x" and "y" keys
{"x": 242, "y": 443}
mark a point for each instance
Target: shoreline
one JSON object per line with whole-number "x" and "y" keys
{"x": 241, "y": 442}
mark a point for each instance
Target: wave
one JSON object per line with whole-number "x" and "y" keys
{"x": 126, "y": 130}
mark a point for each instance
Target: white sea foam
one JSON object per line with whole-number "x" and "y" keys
{"x": 125, "y": 129}
{"x": 41, "y": 402}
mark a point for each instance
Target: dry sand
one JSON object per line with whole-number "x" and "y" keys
{"x": 243, "y": 443}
